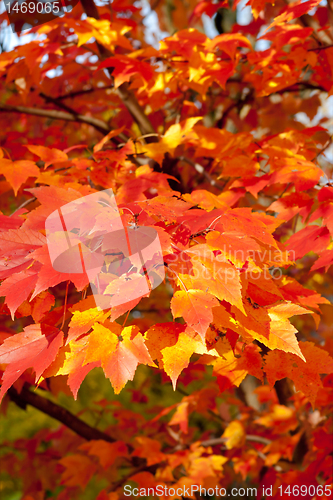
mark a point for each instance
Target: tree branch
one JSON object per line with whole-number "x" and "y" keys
{"x": 24, "y": 204}
{"x": 301, "y": 86}
{"x": 221, "y": 441}
{"x": 99, "y": 125}
{"x": 283, "y": 392}
{"x": 56, "y": 102}
{"x": 27, "y": 397}
{"x": 61, "y": 105}
{"x": 323, "y": 47}
{"x": 76, "y": 93}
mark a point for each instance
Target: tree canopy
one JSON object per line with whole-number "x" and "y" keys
{"x": 215, "y": 132}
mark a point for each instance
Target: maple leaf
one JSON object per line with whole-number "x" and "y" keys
{"x": 325, "y": 260}
{"x": 165, "y": 207}
{"x": 16, "y": 239}
{"x": 305, "y": 375}
{"x": 176, "y": 357}
{"x": 296, "y": 9}
{"x": 234, "y": 435}
{"x": 83, "y": 320}
{"x": 105, "y": 139}
{"x": 41, "y": 304}
{"x": 310, "y": 239}
{"x": 35, "y": 347}
{"x": 148, "y": 448}
{"x": 303, "y": 174}
{"x": 280, "y": 419}
{"x": 71, "y": 361}
{"x": 79, "y": 469}
{"x": 200, "y": 139}
{"x": 205, "y": 7}
{"x": 102, "y": 31}
{"x": 271, "y": 326}
{"x": 48, "y": 276}
{"x": 174, "y": 136}
{"x": 125, "y": 68}
{"x": 229, "y": 42}
{"x": 212, "y": 274}
{"x": 195, "y": 306}
{"x": 47, "y": 155}
{"x": 12, "y": 221}
{"x": 227, "y": 367}
{"x": 50, "y": 198}
{"x": 107, "y": 453}
{"x": 17, "y": 172}
{"x": 281, "y": 331}
{"x": 172, "y": 345}
{"x": 38, "y": 307}
{"x": 233, "y": 243}
{"x": 17, "y": 288}
{"x": 205, "y": 467}
{"x": 119, "y": 351}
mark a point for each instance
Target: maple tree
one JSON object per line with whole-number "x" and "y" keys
{"x": 223, "y": 374}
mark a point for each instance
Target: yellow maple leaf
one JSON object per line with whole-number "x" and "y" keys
{"x": 234, "y": 435}
{"x": 119, "y": 351}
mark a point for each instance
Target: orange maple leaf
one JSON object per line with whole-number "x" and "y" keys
{"x": 119, "y": 351}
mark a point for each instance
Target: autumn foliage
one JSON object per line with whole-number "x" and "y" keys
{"x": 222, "y": 376}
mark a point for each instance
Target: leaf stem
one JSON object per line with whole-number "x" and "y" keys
{"x": 65, "y": 305}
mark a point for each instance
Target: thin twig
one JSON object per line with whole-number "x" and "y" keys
{"x": 327, "y": 145}
{"x": 99, "y": 125}
{"x": 65, "y": 305}
{"x": 71, "y": 95}
{"x": 324, "y": 47}
{"x": 24, "y": 204}
{"x": 27, "y": 397}
{"x": 222, "y": 440}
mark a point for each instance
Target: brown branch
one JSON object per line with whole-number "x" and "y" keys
{"x": 324, "y": 47}
{"x": 283, "y": 392}
{"x": 136, "y": 111}
{"x": 125, "y": 94}
{"x": 27, "y": 397}
{"x": 90, "y": 9}
{"x": 221, "y": 441}
{"x": 327, "y": 145}
{"x": 71, "y": 95}
{"x": 321, "y": 37}
{"x": 99, "y": 125}
{"x": 57, "y": 102}
{"x": 24, "y": 204}
{"x": 301, "y": 86}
